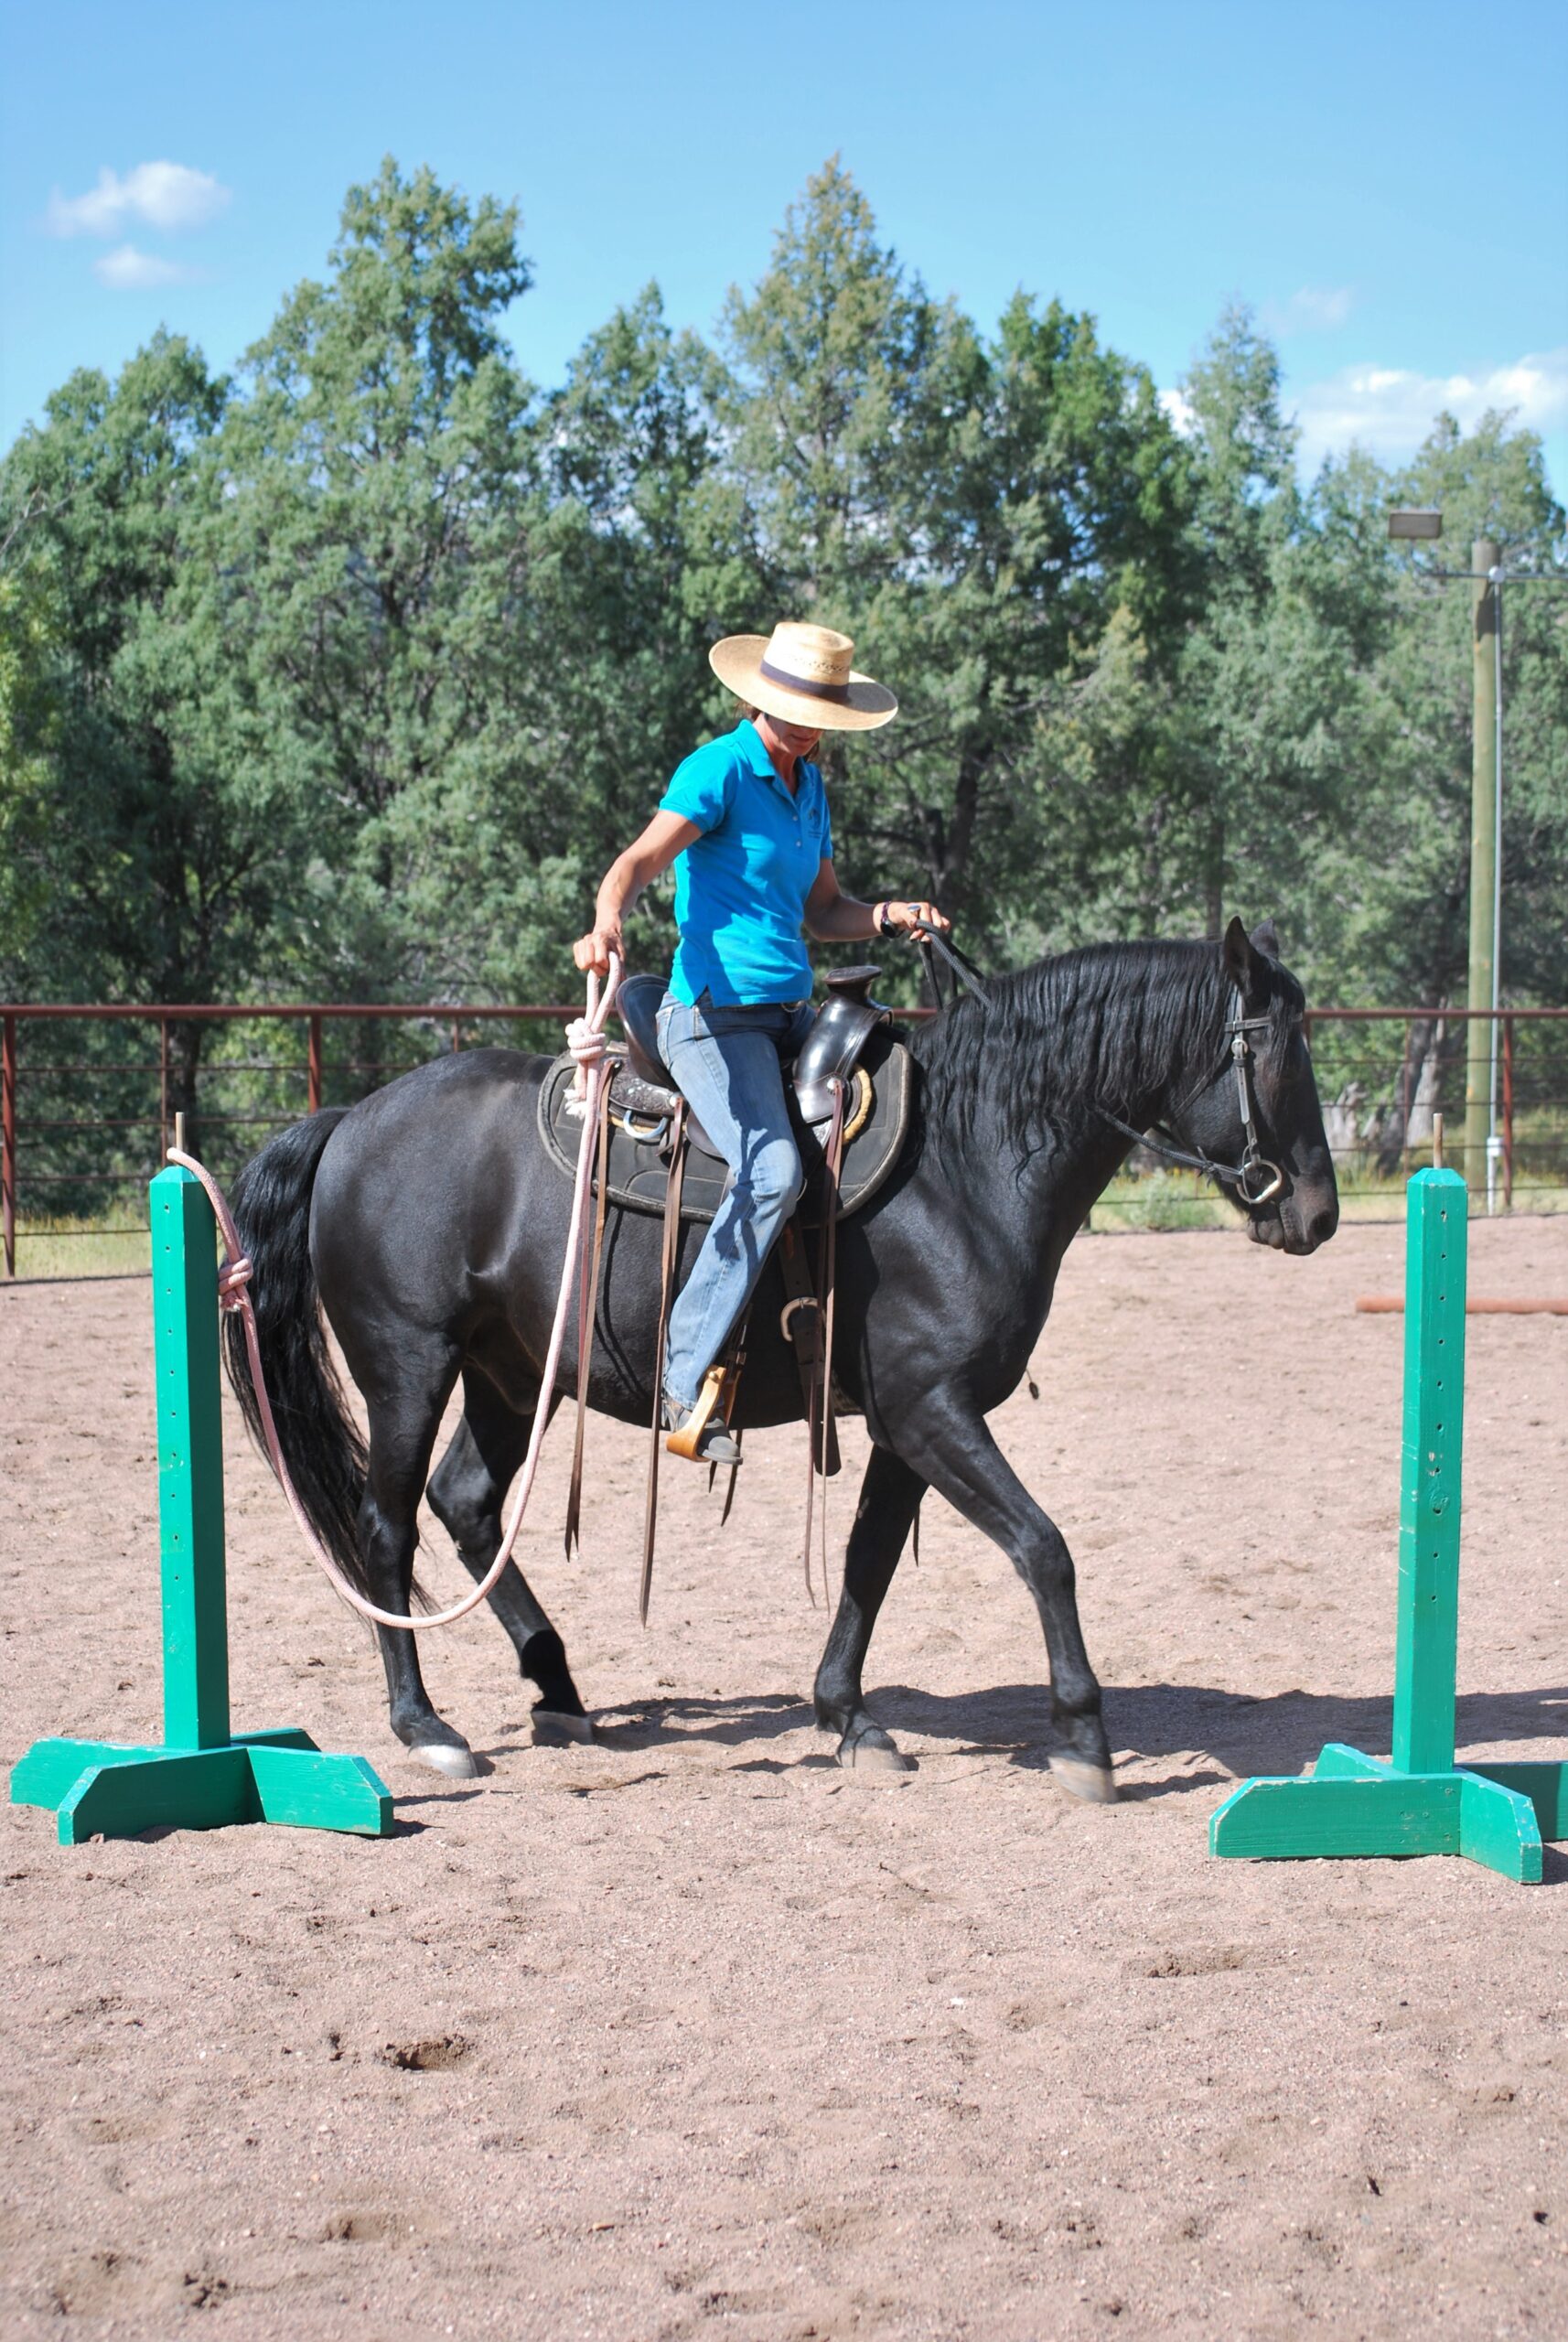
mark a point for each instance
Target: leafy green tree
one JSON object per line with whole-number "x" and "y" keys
{"x": 972, "y": 513}
{"x": 619, "y": 679}
{"x": 1226, "y": 772}
{"x": 160, "y": 851}
{"x": 369, "y": 555}
{"x": 31, "y": 690}
{"x": 1389, "y": 911}
{"x": 352, "y": 675}
{"x": 160, "y": 845}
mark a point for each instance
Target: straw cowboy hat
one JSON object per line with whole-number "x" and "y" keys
{"x": 803, "y": 675}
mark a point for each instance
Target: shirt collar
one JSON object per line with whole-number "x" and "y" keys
{"x": 750, "y": 741}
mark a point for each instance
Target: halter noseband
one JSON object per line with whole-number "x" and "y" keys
{"x": 1255, "y": 1167}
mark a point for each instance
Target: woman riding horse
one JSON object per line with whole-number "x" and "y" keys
{"x": 744, "y": 820}
{"x": 426, "y": 1228}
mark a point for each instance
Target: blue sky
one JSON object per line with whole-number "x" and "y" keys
{"x": 1386, "y": 181}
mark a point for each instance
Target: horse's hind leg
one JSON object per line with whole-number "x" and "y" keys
{"x": 889, "y": 1498}
{"x": 466, "y": 1493}
{"x": 404, "y": 1416}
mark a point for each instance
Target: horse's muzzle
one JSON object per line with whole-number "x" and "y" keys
{"x": 1302, "y": 1221}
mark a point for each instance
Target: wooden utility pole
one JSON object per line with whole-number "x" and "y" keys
{"x": 1484, "y": 784}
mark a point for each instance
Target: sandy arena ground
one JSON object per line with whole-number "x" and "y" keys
{"x": 689, "y": 2033}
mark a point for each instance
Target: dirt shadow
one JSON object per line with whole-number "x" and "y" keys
{"x": 732, "y": 1722}
{"x": 1281, "y": 1732}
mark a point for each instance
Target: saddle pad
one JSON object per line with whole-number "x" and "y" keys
{"x": 640, "y": 1160}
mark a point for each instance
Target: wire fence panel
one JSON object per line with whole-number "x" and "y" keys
{"x": 88, "y": 1113}
{"x": 87, "y": 1110}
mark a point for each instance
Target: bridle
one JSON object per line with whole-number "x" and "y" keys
{"x": 1255, "y": 1179}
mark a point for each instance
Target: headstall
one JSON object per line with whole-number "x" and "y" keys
{"x": 1255, "y": 1179}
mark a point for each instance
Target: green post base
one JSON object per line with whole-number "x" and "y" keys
{"x": 1421, "y": 1802}
{"x": 204, "y": 1776}
{"x": 101, "y": 1789}
{"x": 1355, "y": 1805}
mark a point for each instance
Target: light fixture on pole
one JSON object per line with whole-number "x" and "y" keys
{"x": 1416, "y": 523}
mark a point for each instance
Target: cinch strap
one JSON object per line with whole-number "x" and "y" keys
{"x": 838, "y": 693}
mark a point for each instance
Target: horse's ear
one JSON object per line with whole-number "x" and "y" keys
{"x": 1265, "y": 939}
{"x": 1243, "y": 965}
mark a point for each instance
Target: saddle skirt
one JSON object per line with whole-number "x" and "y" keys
{"x": 877, "y": 1123}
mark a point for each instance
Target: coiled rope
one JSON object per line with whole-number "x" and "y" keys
{"x": 586, "y": 1040}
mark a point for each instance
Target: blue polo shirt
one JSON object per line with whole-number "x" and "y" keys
{"x": 741, "y": 887}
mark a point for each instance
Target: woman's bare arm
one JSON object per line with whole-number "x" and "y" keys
{"x": 833, "y": 917}
{"x": 666, "y": 835}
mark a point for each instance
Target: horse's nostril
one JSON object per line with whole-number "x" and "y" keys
{"x": 1322, "y": 1224}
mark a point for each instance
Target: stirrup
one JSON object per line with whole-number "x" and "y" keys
{"x": 702, "y": 1433}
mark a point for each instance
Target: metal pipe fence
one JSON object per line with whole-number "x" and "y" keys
{"x": 81, "y": 1133}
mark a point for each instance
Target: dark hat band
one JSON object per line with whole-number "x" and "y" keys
{"x": 837, "y": 692}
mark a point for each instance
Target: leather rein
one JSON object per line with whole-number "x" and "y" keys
{"x": 931, "y": 940}
{"x": 1255, "y": 1179}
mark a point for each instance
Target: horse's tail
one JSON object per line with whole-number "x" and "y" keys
{"x": 321, "y": 1444}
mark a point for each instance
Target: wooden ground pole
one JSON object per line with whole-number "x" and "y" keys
{"x": 1419, "y": 1802}
{"x": 202, "y": 1776}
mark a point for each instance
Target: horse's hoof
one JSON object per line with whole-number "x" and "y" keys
{"x": 869, "y": 1749}
{"x": 1096, "y": 1784}
{"x": 553, "y": 1728}
{"x": 456, "y": 1760}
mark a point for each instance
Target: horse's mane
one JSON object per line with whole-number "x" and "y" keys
{"x": 1105, "y": 1024}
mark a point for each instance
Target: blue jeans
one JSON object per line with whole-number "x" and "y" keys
{"x": 727, "y": 1062}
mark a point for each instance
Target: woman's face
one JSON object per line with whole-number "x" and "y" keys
{"x": 795, "y": 740}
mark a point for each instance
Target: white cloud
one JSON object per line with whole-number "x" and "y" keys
{"x": 125, "y": 270}
{"x": 160, "y": 195}
{"x": 1389, "y": 409}
{"x": 1316, "y": 308}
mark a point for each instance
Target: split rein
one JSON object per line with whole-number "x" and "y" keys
{"x": 586, "y": 1040}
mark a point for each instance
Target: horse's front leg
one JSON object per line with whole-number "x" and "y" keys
{"x": 948, "y": 1441}
{"x": 889, "y": 1497}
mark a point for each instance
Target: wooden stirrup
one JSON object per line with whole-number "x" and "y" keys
{"x": 712, "y": 1393}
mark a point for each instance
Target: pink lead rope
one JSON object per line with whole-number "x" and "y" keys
{"x": 586, "y": 1040}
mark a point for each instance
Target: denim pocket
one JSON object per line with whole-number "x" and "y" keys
{"x": 677, "y": 1024}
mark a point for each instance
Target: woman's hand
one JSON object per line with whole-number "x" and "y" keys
{"x": 907, "y": 918}
{"x": 592, "y": 951}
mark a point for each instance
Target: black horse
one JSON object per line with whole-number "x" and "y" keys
{"x": 429, "y": 1225}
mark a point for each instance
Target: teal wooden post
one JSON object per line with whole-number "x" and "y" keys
{"x": 202, "y": 1776}
{"x": 1426, "y": 1643}
{"x": 190, "y": 1463}
{"x": 1419, "y": 1803}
